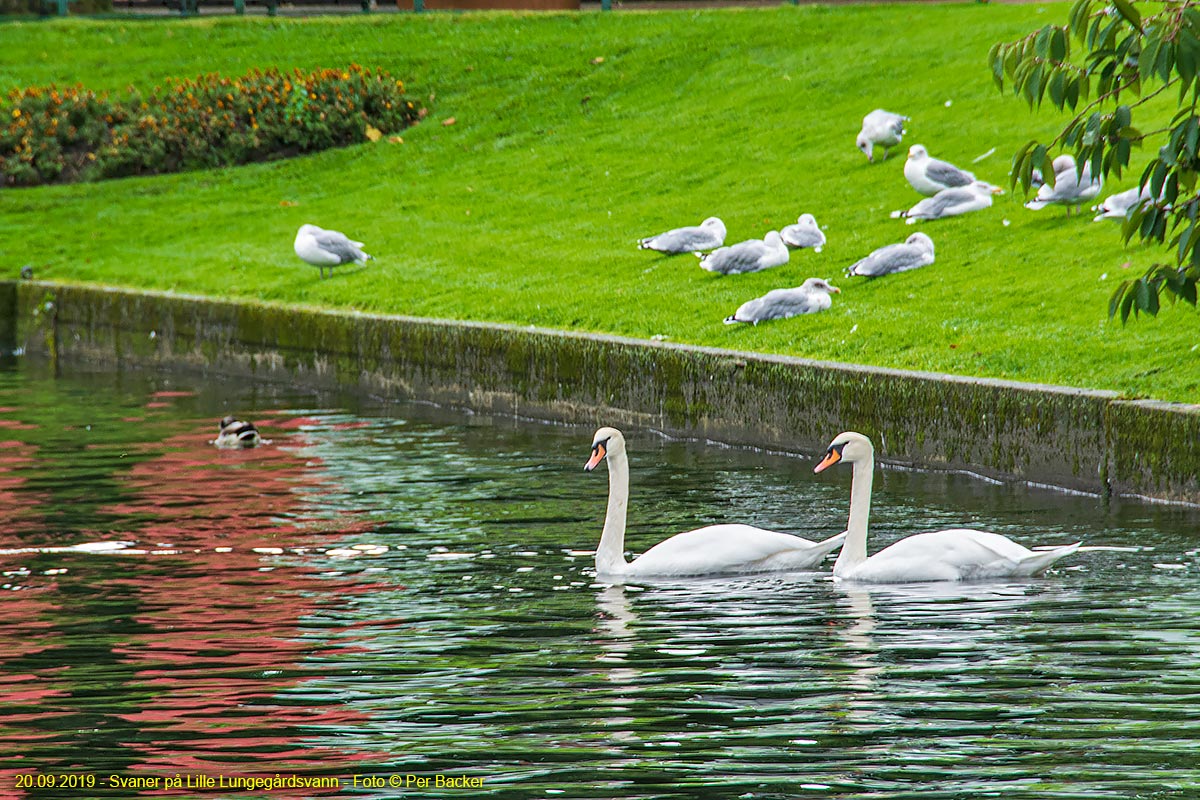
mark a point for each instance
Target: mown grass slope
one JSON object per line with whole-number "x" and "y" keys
{"x": 574, "y": 135}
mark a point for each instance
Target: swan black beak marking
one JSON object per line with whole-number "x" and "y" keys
{"x": 598, "y": 453}
{"x": 832, "y": 456}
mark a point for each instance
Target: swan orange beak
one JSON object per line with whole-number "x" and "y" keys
{"x": 598, "y": 453}
{"x": 833, "y": 456}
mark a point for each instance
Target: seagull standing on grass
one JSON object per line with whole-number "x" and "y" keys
{"x": 752, "y": 255}
{"x": 950, "y": 203}
{"x": 930, "y": 175}
{"x": 1072, "y": 186}
{"x": 916, "y": 251}
{"x": 810, "y": 297}
{"x": 880, "y": 128}
{"x": 708, "y": 235}
{"x": 323, "y": 248}
{"x": 805, "y": 233}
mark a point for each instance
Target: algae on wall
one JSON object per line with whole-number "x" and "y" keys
{"x": 1067, "y": 437}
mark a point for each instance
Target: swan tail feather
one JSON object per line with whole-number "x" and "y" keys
{"x": 827, "y": 546}
{"x": 1039, "y": 562}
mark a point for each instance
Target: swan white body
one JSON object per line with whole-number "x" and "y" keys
{"x": 930, "y": 175}
{"x": 323, "y": 248}
{"x": 804, "y": 233}
{"x": 708, "y": 235}
{"x": 880, "y": 128}
{"x": 751, "y": 255}
{"x": 958, "y": 554}
{"x": 711, "y": 550}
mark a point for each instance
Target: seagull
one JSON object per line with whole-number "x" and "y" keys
{"x": 748, "y": 256}
{"x": 808, "y": 298}
{"x": 880, "y": 128}
{"x": 805, "y": 233}
{"x": 929, "y": 175}
{"x": 1072, "y": 187}
{"x": 708, "y": 235}
{"x": 323, "y": 248}
{"x": 915, "y": 251}
{"x": 236, "y": 433}
{"x": 950, "y": 203}
{"x": 1117, "y": 206}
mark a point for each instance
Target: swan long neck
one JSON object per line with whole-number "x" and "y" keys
{"x": 854, "y": 549}
{"x": 610, "y": 554}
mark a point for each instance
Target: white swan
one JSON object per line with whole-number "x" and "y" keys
{"x": 951, "y": 555}
{"x": 711, "y": 550}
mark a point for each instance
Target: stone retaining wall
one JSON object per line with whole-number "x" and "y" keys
{"x": 1084, "y": 440}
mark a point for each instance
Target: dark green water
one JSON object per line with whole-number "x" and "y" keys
{"x": 238, "y": 632}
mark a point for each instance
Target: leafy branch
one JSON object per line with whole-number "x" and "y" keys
{"x": 1122, "y": 53}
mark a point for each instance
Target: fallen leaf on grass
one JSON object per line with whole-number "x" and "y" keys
{"x": 448, "y": 121}
{"x": 373, "y": 133}
{"x": 396, "y": 139}
{"x": 288, "y": 203}
{"x": 598, "y": 60}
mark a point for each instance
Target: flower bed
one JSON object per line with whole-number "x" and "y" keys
{"x": 53, "y": 135}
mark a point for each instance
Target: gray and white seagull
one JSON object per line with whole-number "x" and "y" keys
{"x": 915, "y": 251}
{"x": 880, "y": 128}
{"x": 708, "y": 235}
{"x": 323, "y": 248}
{"x": 1072, "y": 186}
{"x": 950, "y": 203}
{"x": 748, "y": 256}
{"x": 804, "y": 233}
{"x": 808, "y": 298}
{"x": 931, "y": 175}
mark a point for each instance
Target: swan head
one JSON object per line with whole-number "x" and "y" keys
{"x": 606, "y": 440}
{"x": 848, "y": 446}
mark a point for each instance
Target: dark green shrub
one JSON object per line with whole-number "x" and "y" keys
{"x": 53, "y": 135}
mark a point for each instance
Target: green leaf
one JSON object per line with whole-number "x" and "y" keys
{"x": 1114, "y": 302}
{"x": 1059, "y": 45}
{"x": 1126, "y": 10}
{"x": 996, "y": 61}
{"x": 1055, "y": 87}
{"x": 1142, "y": 294}
{"x": 1126, "y": 305}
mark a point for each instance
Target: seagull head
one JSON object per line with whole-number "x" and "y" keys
{"x": 864, "y": 144}
{"x": 920, "y": 240}
{"x": 821, "y": 284}
{"x": 918, "y": 151}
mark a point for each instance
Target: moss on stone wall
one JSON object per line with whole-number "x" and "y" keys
{"x": 1073, "y": 438}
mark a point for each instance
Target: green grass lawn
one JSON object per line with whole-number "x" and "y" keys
{"x": 576, "y": 134}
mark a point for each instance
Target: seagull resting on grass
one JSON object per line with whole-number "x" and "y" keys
{"x": 708, "y": 235}
{"x": 950, "y": 203}
{"x": 810, "y": 297}
{"x": 804, "y": 233}
{"x": 916, "y": 251}
{"x": 748, "y": 256}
